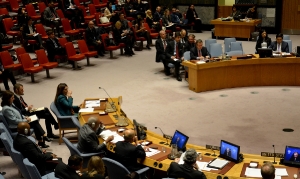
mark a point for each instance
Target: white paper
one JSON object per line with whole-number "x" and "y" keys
{"x": 152, "y": 152}
{"x": 277, "y": 177}
{"x": 39, "y": 109}
{"x": 86, "y": 110}
{"x": 92, "y": 103}
{"x": 200, "y": 62}
{"x": 33, "y": 118}
{"x": 35, "y": 34}
{"x": 281, "y": 172}
{"x": 106, "y": 133}
{"x": 218, "y": 163}
{"x": 270, "y": 12}
{"x": 175, "y": 59}
{"x": 56, "y": 19}
{"x": 253, "y": 172}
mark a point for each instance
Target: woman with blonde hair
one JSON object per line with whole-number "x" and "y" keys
{"x": 95, "y": 169}
{"x": 151, "y": 23}
{"x": 123, "y": 36}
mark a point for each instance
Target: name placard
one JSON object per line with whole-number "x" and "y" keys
{"x": 271, "y": 154}
{"x": 212, "y": 147}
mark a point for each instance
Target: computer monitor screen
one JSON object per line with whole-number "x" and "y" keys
{"x": 139, "y": 130}
{"x": 264, "y": 52}
{"x": 229, "y": 151}
{"x": 180, "y": 139}
{"x": 292, "y": 156}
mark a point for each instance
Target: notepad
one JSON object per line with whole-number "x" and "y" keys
{"x": 33, "y": 118}
{"x": 218, "y": 163}
{"x": 86, "y": 110}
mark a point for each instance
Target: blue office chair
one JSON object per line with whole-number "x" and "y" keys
{"x": 1, "y": 176}
{"x": 227, "y": 42}
{"x": 208, "y": 42}
{"x": 232, "y": 53}
{"x": 234, "y": 46}
{"x": 34, "y": 173}
{"x": 7, "y": 143}
{"x": 4, "y": 129}
{"x": 64, "y": 122}
{"x": 76, "y": 122}
{"x": 290, "y": 45}
{"x": 216, "y": 50}
{"x": 286, "y": 37}
{"x": 113, "y": 166}
{"x": 73, "y": 150}
{"x": 18, "y": 157}
{"x": 187, "y": 56}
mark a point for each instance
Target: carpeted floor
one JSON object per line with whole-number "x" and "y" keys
{"x": 251, "y": 117}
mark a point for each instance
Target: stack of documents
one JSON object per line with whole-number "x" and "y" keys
{"x": 92, "y": 103}
{"x": 255, "y": 172}
{"x": 152, "y": 152}
{"x": 106, "y": 133}
{"x": 218, "y": 163}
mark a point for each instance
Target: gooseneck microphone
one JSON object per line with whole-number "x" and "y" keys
{"x": 112, "y": 102}
{"x": 242, "y": 48}
{"x": 164, "y": 135}
{"x": 274, "y": 155}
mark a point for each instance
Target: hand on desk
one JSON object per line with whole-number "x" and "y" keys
{"x": 146, "y": 149}
{"x": 110, "y": 138}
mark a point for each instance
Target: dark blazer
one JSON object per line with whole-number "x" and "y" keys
{"x": 190, "y": 15}
{"x": 251, "y": 14}
{"x": 26, "y": 31}
{"x": 63, "y": 171}
{"x": 117, "y": 35}
{"x": 17, "y": 102}
{"x": 180, "y": 48}
{"x": 91, "y": 35}
{"x": 31, "y": 151}
{"x": 21, "y": 19}
{"x": 175, "y": 18}
{"x": 51, "y": 47}
{"x": 88, "y": 141}
{"x": 127, "y": 154}
{"x": 67, "y": 3}
{"x": 284, "y": 46}
{"x": 236, "y": 14}
{"x": 161, "y": 53}
{"x": 194, "y": 52}
{"x": 49, "y": 14}
{"x": 149, "y": 21}
{"x": 188, "y": 46}
{"x": 156, "y": 16}
{"x": 227, "y": 153}
{"x": 96, "y": 176}
{"x": 64, "y": 105}
{"x": 127, "y": 8}
{"x": 184, "y": 171}
{"x": 260, "y": 41}
{"x": 125, "y": 25}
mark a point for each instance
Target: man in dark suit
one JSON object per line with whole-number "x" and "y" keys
{"x": 279, "y": 45}
{"x": 157, "y": 14}
{"x": 29, "y": 32}
{"x": 88, "y": 141}
{"x": 92, "y": 38}
{"x": 73, "y": 13}
{"x": 184, "y": 37}
{"x": 124, "y": 22}
{"x": 227, "y": 152}
{"x": 190, "y": 43}
{"x": 199, "y": 52}
{"x": 268, "y": 171}
{"x": 31, "y": 150}
{"x": 28, "y": 110}
{"x": 295, "y": 157}
{"x": 69, "y": 171}
{"x": 165, "y": 53}
{"x": 188, "y": 170}
{"x": 51, "y": 17}
{"x": 127, "y": 153}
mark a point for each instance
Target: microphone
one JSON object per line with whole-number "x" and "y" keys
{"x": 274, "y": 155}
{"x": 242, "y": 48}
{"x": 112, "y": 103}
{"x": 164, "y": 135}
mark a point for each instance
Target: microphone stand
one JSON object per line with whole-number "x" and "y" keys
{"x": 214, "y": 153}
{"x": 274, "y": 155}
{"x": 112, "y": 104}
{"x": 164, "y": 136}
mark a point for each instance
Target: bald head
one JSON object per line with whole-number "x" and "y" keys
{"x": 268, "y": 171}
{"x": 162, "y": 34}
{"x": 21, "y": 128}
{"x": 129, "y": 135}
{"x": 91, "y": 24}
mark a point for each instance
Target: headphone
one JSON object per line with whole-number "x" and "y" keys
{"x": 93, "y": 124}
{"x": 25, "y": 131}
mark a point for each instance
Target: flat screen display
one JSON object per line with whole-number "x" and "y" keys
{"x": 229, "y": 151}
{"x": 264, "y": 52}
{"x": 292, "y": 155}
{"x": 180, "y": 139}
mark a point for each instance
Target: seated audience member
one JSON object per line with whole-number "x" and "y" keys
{"x": 192, "y": 16}
{"x": 51, "y": 17}
{"x": 165, "y": 53}
{"x": 139, "y": 6}
{"x": 184, "y": 37}
{"x": 28, "y": 110}
{"x": 166, "y": 21}
{"x": 29, "y": 33}
{"x": 64, "y": 101}
{"x": 69, "y": 171}
{"x": 252, "y": 13}
{"x": 88, "y": 141}
{"x": 157, "y": 16}
{"x": 279, "y": 45}
{"x": 188, "y": 170}
{"x": 150, "y": 21}
{"x": 124, "y": 22}
{"x": 263, "y": 38}
{"x": 128, "y": 153}
{"x": 190, "y": 43}
{"x": 130, "y": 11}
{"x": 73, "y": 13}
{"x": 53, "y": 46}
{"x": 6, "y": 74}
{"x": 95, "y": 169}
{"x": 142, "y": 32}
{"x": 175, "y": 17}
{"x": 30, "y": 150}
{"x": 295, "y": 157}
{"x": 92, "y": 38}
{"x": 21, "y": 17}
{"x": 123, "y": 36}
{"x": 177, "y": 46}
{"x": 268, "y": 171}
{"x": 199, "y": 52}
{"x": 110, "y": 14}
{"x": 235, "y": 13}
{"x": 14, "y": 116}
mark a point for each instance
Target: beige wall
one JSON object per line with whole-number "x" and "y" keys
{"x": 226, "y": 2}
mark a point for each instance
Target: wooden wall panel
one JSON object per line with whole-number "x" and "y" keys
{"x": 224, "y": 11}
{"x": 290, "y": 14}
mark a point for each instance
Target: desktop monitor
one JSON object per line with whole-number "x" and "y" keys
{"x": 264, "y": 52}
{"x": 229, "y": 151}
{"x": 292, "y": 156}
{"x": 180, "y": 139}
{"x": 140, "y": 130}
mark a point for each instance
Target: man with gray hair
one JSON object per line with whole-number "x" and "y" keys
{"x": 268, "y": 171}
{"x": 88, "y": 141}
{"x": 199, "y": 52}
{"x": 188, "y": 170}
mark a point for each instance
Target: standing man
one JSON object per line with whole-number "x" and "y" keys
{"x": 279, "y": 45}
{"x": 5, "y": 74}
{"x": 92, "y": 38}
{"x": 199, "y": 52}
{"x": 165, "y": 53}
{"x": 51, "y": 17}
{"x": 28, "y": 110}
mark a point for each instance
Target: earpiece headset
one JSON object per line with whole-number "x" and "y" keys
{"x": 25, "y": 131}
{"x": 93, "y": 124}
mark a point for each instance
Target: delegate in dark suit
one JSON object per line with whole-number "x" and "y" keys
{"x": 31, "y": 151}
{"x": 54, "y": 48}
{"x": 157, "y": 16}
{"x": 284, "y": 46}
{"x": 184, "y": 171}
{"x": 26, "y": 33}
{"x": 188, "y": 46}
{"x": 65, "y": 172}
{"x": 127, "y": 154}
{"x": 92, "y": 38}
{"x": 194, "y": 53}
{"x": 50, "y": 15}
{"x": 175, "y": 46}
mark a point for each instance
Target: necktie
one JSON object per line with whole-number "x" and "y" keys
{"x": 278, "y": 48}
{"x": 165, "y": 45}
{"x": 177, "y": 52}
{"x": 23, "y": 102}
{"x": 199, "y": 53}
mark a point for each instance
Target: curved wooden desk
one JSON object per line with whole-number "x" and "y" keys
{"x": 235, "y": 172}
{"x": 243, "y": 73}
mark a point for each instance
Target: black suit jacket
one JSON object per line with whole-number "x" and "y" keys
{"x": 161, "y": 53}
{"x": 49, "y": 14}
{"x": 67, "y": 3}
{"x": 31, "y": 151}
{"x": 52, "y": 51}
{"x": 180, "y": 48}
{"x": 156, "y": 16}
{"x": 63, "y": 171}
{"x": 260, "y": 41}
{"x": 127, "y": 154}
{"x": 91, "y": 35}
{"x": 166, "y": 20}
{"x": 284, "y": 46}
{"x": 188, "y": 46}
{"x": 194, "y": 52}
{"x": 17, "y": 102}
{"x": 26, "y": 30}
{"x": 190, "y": 15}
{"x": 184, "y": 171}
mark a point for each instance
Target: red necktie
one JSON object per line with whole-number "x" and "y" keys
{"x": 199, "y": 53}
{"x": 177, "y": 51}
{"x": 23, "y": 102}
